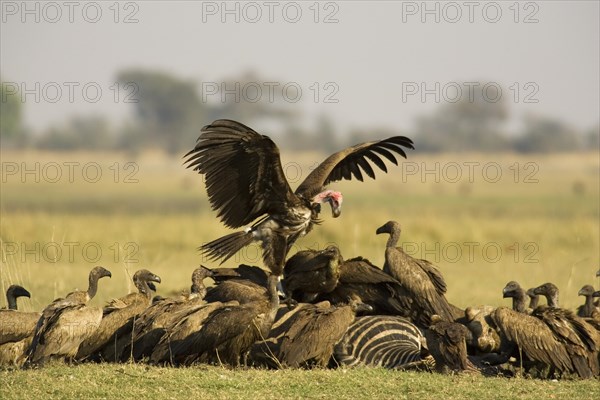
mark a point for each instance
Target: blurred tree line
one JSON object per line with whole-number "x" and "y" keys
{"x": 168, "y": 112}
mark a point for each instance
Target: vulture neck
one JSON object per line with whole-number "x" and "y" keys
{"x": 588, "y": 306}
{"x": 92, "y": 286}
{"x": 394, "y": 238}
{"x": 533, "y": 301}
{"x": 519, "y": 299}
{"x": 11, "y": 300}
{"x": 198, "y": 289}
{"x": 142, "y": 286}
{"x": 552, "y": 300}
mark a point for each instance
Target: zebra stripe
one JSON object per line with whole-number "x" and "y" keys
{"x": 380, "y": 340}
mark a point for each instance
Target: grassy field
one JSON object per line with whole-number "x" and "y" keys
{"x": 138, "y": 381}
{"x": 483, "y": 219}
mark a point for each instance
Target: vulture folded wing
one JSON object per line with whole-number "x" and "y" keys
{"x": 533, "y": 336}
{"x": 244, "y": 176}
{"x": 345, "y": 164}
{"x": 434, "y": 275}
{"x": 567, "y": 327}
{"x": 361, "y": 270}
{"x": 313, "y": 335}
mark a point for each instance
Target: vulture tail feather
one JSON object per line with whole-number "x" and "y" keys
{"x": 225, "y": 247}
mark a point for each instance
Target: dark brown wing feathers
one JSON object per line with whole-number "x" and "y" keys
{"x": 345, "y": 164}
{"x": 244, "y": 177}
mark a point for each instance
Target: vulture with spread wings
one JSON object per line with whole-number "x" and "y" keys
{"x": 246, "y": 184}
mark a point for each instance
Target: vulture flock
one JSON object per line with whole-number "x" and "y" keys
{"x": 313, "y": 309}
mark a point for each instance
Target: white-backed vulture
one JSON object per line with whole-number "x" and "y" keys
{"x": 245, "y": 183}
{"x": 174, "y": 346}
{"x": 550, "y": 292}
{"x": 518, "y": 295}
{"x": 228, "y": 333}
{"x": 16, "y": 328}
{"x": 66, "y": 323}
{"x": 305, "y": 336}
{"x": 153, "y": 323}
{"x": 533, "y": 337}
{"x": 551, "y": 336}
{"x": 310, "y": 272}
{"x": 588, "y": 307}
{"x": 114, "y": 332}
{"x": 420, "y": 278}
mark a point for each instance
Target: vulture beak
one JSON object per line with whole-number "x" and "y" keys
{"x": 380, "y": 230}
{"x": 505, "y": 293}
{"x": 596, "y": 293}
{"x": 598, "y": 273}
{"x": 336, "y": 209}
{"x": 364, "y": 309}
{"x": 580, "y": 293}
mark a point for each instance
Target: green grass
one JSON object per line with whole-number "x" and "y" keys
{"x": 546, "y": 231}
{"x": 139, "y": 381}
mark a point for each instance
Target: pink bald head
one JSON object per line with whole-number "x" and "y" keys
{"x": 333, "y": 198}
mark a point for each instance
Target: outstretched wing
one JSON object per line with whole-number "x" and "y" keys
{"x": 345, "y": 164}
{"x": 244, "y": 177}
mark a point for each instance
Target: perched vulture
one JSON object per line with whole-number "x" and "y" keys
{"x": 422, "y": 280}
{"x": 587, "y": 308}
{"x": 114, "y": 332}
{"x": 66, "y": 323}
{"x": 174, "y": 346}
{"x": 16, "y": 328}
{"x": 305, "y": 336}
{"x": 246, "y": 184}
{"x": 153, "y": 323}
{"x": 12, "y": 294}
{"x": 225, "y": 335}
{"x": 518, "y": 295}
{"x": 550, "y": 292}
{"x": 551, "y": 336}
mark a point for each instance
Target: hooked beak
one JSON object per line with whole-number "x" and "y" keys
{"x": 596, "y": 293}
{"x": 364, "y": 309}
{"x": 505, "y": 293}
{"x": 380, "y": 230}
{"x": 580, "y": 293}
{"x": 336, "y": 210}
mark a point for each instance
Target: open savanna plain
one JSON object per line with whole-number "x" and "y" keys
{"x": 482, "y": 219}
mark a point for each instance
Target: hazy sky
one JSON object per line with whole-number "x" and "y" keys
{"x": 371, "y": 57}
